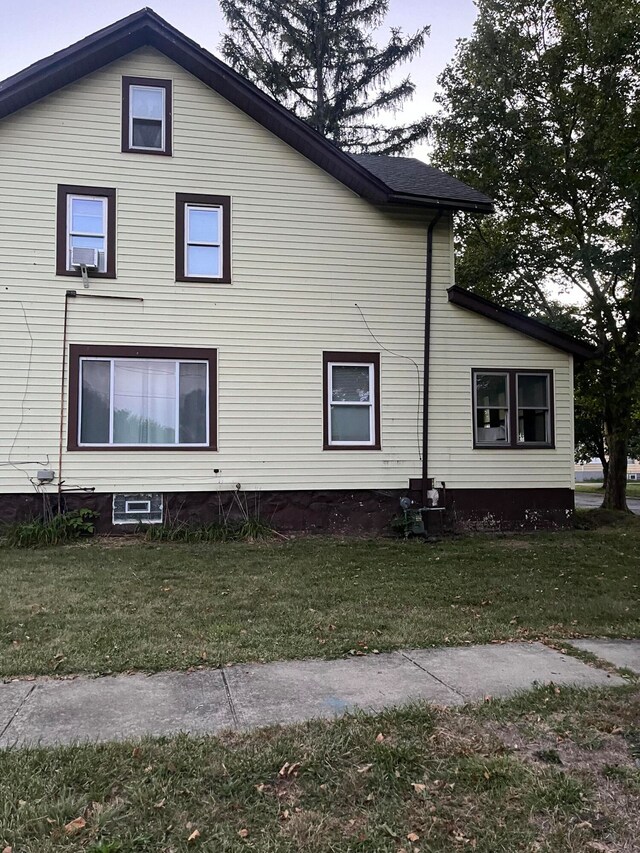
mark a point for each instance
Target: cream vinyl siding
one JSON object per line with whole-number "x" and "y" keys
{"x": 461, "y": 341}
{"x": 306, "y": 252}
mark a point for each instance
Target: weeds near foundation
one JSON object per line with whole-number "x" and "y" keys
{"x": 57, "y": 530}
{"x": 235, "y": 523}
{"x": 230, "y": 531}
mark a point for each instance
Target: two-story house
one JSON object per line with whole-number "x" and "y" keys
{"x": 200, "y": 296}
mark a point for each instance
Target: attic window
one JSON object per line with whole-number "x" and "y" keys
{"x": 146, "y": 115}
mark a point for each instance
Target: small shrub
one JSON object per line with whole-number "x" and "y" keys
{"x": 66, "y": 527}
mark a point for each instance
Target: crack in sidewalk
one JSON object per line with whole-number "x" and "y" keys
{"x": 435, "y": 677}
{"x": 232, "y": 706}
{"x": 21, "y": 705}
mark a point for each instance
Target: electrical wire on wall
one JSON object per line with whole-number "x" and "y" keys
{"x": 25, "y": 391}
{"x": 414, "y": 363}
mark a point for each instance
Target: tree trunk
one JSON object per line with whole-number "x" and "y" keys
{"x": 615, "y": 495}
{"x": 602, "y": 456}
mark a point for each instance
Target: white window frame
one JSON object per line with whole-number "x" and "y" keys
{"x": 128, "y": 508}
{"x": 547, "y": 421}
{"x": 163, "y": 120}
{"x": 506, "y": 442}
{"x": 71, "y": 197}
{"x": 187, "y": 242}
{"x": 112, "y": 360}
{"x": 371, "y": 403}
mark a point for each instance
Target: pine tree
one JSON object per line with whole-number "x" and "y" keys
{"x": 318, "y": 58}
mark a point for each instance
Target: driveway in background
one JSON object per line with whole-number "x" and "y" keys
{"x": 587, "y": 500}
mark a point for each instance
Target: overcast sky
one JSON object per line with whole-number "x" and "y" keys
{"x": 32, "y": 29}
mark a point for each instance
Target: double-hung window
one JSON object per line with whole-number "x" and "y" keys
{"x": 513, "y": 408}
{"x": 146, "y": 115}
{"x": 141, "y": 397}
{"x": 352, "y": 401}
{"x": 203, "y": 238}
{"x": 86, "y": 230}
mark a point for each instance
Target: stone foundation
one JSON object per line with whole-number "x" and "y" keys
{"x": 332, "y": 511}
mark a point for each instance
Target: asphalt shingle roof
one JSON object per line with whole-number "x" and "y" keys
{"x": 413, "y": 177}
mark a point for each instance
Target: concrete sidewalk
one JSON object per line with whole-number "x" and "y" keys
{"x": 48, "y": 711}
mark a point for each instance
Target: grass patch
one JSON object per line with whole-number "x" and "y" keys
{"x": 438, "y": 780}
{"x": 633, "y": 489}
{"x": 120, "y": 605}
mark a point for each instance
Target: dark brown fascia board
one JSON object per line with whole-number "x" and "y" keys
{"x": 445, "y": 204}
{"x": 145, "y": 27}
{"x": 521, "y": 323}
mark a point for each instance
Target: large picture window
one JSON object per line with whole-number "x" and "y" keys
{"x": 203, "y": 238}
{"x": 86, "y": 226}
{"x": 141, "y": 397}
{"x": 146, "y": 116}
{"x": 351, "y": 401}
{"x": 513, "y": 408}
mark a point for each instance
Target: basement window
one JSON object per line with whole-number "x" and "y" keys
{"x": 513, "y": 408}
{"x": 142, "y": 398}
{"x": 143, "y": 508}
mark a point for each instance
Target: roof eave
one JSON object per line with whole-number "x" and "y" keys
{"x": 479, "y": 207}
{"x": 521, "y": 323}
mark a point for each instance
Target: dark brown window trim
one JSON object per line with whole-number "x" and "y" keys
{"x": 168, "y": 114}
{"x": 77, "y": 351}
{"x": 64, "y": 191}
{"x": 513, "y": 410}
{"x": 359, "y": 358}
{"x": 222, "y": 201}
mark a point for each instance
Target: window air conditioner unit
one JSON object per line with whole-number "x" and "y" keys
{"x": 84, "y": 258}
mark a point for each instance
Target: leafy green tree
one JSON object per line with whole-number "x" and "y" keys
{"x": 540, "y": 108}
{"x": 318, "y": 58}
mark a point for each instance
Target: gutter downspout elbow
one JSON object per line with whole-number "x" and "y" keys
{"x": 427, "y": 344}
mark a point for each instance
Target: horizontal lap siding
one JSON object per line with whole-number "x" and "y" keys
{"x": 461, "y": 341}
{"x": 305, "y": 251}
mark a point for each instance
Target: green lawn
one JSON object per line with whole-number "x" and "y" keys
{"x": 633, "y": 489}
{"x": 109, "y": 606}
{"x": 552, "y": 772}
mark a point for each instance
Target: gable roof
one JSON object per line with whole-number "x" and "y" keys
{"x": 521, "y": 323}
{"x": 364, "y": 175}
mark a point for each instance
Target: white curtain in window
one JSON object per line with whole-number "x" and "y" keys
{"x": 144, "y": 402}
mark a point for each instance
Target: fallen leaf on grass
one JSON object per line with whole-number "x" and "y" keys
{"x": 193, "y": 837}
{"x": 243, "y": 833}
{"x": 418, "y": 787}
{"x": 413, "y": 836}
{"x": 289, "y": 769}
{"x": 8, "y": 850}
{"x": 75, "y": 825}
